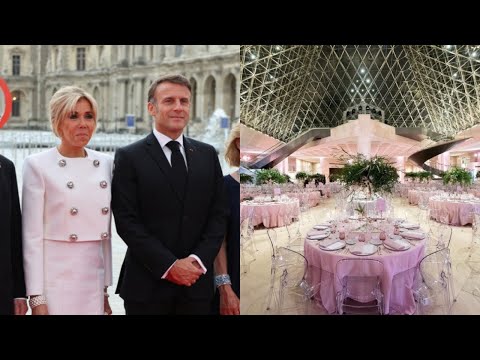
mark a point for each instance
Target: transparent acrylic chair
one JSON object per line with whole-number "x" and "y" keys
{"x": 247, "y": 244}
{"x": 472, "y": 284}
{"x": 435, "y": 293}
{"x": 360, "y": 281}
{"x": 289, "y": 289}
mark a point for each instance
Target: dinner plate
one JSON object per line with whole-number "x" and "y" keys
{"x": 372, "y": 251}
{"x": 376, "y": 242}
{"x": 335, "y": 246}
{"x": 318, "y": 237}
{"x": 393, "y": 249}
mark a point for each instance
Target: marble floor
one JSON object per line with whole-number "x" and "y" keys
{"x": 255, "y": 283}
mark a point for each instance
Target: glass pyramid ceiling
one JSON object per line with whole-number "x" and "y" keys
{"x": 288, "y": 89}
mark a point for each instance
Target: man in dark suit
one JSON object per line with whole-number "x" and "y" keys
{"x": 12, "y": 282}
{"x": 170, "y": 209}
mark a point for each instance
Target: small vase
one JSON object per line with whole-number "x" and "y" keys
{"x": 382, "y": 235}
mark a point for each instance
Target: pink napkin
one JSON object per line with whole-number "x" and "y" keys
{"x": 415, "y": 235}
{"x": 327, "y": 243}
{"x": 317, "y": 232}
{"x": 396, "y": 244}
{"x": 363, "y": 249}
{"x": 410, "y": 226}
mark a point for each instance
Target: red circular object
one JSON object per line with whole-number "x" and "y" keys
{"x": 8, "y": 103}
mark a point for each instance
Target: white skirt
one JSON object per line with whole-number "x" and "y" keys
{"x": 74, "y": 277}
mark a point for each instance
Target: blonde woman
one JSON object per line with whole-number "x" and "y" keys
{"x": 66, "y": 214}
{"x": 227, "y": 262}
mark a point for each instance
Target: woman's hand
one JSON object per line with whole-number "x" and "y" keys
{"x": 229, "y": 302}
{"x": 40, "y": 310}
{"x": 106, "y": 306}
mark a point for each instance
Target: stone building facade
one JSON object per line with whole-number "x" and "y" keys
{"x": 118, "y": 76}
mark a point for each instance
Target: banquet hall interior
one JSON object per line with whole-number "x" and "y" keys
{"x": 359, "y": 189}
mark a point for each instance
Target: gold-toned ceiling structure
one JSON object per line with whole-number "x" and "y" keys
{"x": 288, "y": 89}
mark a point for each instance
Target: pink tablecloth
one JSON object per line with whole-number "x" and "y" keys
{"x": 452, "y": 212}
{"x": 397, "y": 281}
{"x": 271, "y": 214}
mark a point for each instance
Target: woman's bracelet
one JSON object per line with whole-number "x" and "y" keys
{"x": 37, "y": 300}
{"x": 223, "y": 279}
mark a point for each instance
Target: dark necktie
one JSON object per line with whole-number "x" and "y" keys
{"x": 179, "y": 168}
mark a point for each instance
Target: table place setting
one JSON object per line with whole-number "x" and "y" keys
{"x": 331, "y": 244}
{"x": 323, "y": 226}
{"x": 413, "y": 235}
{"x": 396, "y": 244}
{"x": 364, "y": 249}
{"x": 317, "y": 235}
{"x": 410, "y": 226}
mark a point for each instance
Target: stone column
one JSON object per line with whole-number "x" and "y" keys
{"x": 325, "y": 168}
{"x": 200, "y": 90}
{"x": 219, "y": 88}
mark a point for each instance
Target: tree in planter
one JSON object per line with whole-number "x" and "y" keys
{"x": 265, "y": 176}
{"x": 302, "y": 176}
{"x": 287, "y": 178}
{"x": 457, "y": 176}
{"x": 424, "y": 176}
{"x": 317, "y": 178}
{"x": 373, "y": 175}
{"x": 245, "y": 178}
{"x": 334, "y": 177}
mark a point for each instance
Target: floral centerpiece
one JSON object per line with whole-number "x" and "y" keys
{"x": 375, "y": 175}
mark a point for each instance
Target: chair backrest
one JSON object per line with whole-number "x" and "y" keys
{"x": 360, "y": 278}
{"x": 246, "y": 226}
{"x": 436, "y": 290}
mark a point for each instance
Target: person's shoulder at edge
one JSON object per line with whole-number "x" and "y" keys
{"x": 41, "y": 155}
{"x": 7, "y": 161}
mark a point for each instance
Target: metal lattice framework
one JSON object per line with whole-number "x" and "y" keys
{"x": 288, "y": 89}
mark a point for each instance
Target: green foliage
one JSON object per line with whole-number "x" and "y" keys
{"x": 264, "y": 176}
{"x": 457, "y": 176}
{"x": 375, "y": 174}
{"x": 245, "y": 178}
{"x": 301, "y": 175}
{"x": 287, "y": 178}
{"x": 334, "y": 177}
{"x": 419, "y": 176}
{"x": 317, "y": 178}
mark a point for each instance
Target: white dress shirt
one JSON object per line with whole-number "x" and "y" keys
{"x": 163, "y": 140}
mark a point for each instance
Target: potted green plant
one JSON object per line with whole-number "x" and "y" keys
{"x": 245, "y": 178}
{"x": 374, "y": 175}
{"x": 265, "y": 176}
{"x": 457, "y": 176}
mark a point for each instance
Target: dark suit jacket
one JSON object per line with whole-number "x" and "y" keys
{"x": 12, "y": 282}
{"x": 158, "y": 226}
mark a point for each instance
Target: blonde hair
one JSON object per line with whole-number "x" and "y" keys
{"x": 232, "y": 154}
{"x": 63, "y": 102}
